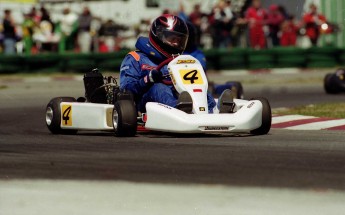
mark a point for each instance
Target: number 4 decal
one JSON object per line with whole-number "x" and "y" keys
{"x": 191, "y": 76}
{"x": 66, "y": 115}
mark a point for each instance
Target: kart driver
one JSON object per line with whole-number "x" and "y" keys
{"x": 167, "y": 38}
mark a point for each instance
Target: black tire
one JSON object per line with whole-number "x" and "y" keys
{"x": 53, "y": 116}
{"x": 329, "y": 85}
{"x": 125, "y": 118}
{"x": 237, "y": 88}
{"x": 266, "y": 118}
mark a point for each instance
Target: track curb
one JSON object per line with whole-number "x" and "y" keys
{"x": 300, "y": 122}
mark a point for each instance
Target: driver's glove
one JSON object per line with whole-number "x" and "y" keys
{"x": 154, "y": 76}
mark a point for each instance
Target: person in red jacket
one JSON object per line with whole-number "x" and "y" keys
{"x": 288, "y": 32}
{"x": 256, "y": 18}
{"x": 274, "y": 20}
{"x": 313, "y": 20}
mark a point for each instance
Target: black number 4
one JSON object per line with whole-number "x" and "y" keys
{"x": 65, "y": 115}
{"x": 191, "y": 76}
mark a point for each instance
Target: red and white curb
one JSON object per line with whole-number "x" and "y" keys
{"x": 300, "y": 122}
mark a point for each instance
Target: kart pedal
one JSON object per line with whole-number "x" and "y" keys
{"x": 185, "y": 102}
{"x": 226, "y": 102}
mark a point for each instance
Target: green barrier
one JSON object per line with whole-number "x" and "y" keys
{"x": 11, "y": 64}
{"x": 217, "y": 59}
{"x": 231, "y": 59}
{"x": 322, "y": 57}
{"x": 327, "y": 64}
{"x": 261, "y": 59}
{"x": 289, "y": 57}
{"x": 42, "y": 62}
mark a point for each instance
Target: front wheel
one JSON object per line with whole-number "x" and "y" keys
{"x": 53, "y": 116}
{"x": 125, "y": 118}
{"x": 266, "y": 118}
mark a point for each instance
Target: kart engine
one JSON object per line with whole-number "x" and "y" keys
{"x": 100, "y": 89}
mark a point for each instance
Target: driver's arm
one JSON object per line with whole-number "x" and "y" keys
{"x": 131, "y": 76}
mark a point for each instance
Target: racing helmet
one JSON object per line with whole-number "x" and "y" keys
{"x": 169, "y": 35}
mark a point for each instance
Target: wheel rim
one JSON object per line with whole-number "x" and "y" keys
{"x": 115, "y": 119}
{"x": 49, "y": 116}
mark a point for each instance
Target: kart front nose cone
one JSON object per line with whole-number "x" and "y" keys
{"x": 49, "y": 116}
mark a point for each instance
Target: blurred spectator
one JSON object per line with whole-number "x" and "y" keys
{"x": 68, "y": 29}
{"x": 84, "y": 28}
{"x": 195, "y": 18}
{"x": 288, "y": 32}
{"x": 223, "y": 24}
{"x": 143, "y": 28}
{"x": 109, "y": 36}
{"x": 274, "y": 20}
{"x": 283, "y": 12}
{"x": 181, "y": 13}
{"x": 45, "y": 16}
{"x": 9, "y": 33}
{"x": 313, "y": 21}
{"x": 192, "y": 48}
{"x": 256, "y": 18}
{"x": 45, "y": 38}
{"x": 28, "y": 30}
{"x": 35, "y": 15}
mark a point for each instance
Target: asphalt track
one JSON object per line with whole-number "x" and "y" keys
{"x": 283, "y": 159}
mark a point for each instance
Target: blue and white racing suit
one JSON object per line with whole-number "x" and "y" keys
{"x": 137, "y": 65}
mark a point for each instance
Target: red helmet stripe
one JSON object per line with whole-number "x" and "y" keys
{"x": 159, "y": 49}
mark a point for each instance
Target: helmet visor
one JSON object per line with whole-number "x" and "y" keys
{"x": 174, "y": 39}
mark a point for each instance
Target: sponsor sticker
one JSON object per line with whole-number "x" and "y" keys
{"x": 166, "y": 106}
{"x": 216, "y": 128}
{"x": 66, "y": 115}
{"x": 147, "y": 67}
{"x": 250, "y": 105}
{"x": 185, "y": 61}
{"x": 172, "y": 78}
{"x": 191, "y": 76}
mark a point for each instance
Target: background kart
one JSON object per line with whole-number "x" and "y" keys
{"x": 106, "y": 108}
{"x": 335, "y": 82}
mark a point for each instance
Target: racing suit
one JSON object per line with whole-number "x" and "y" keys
{"x": 134, "y": 70}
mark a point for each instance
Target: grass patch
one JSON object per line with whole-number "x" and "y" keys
{"x": 332, "y": 110}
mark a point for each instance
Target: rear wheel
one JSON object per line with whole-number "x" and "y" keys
{"x": 266, "y": 118}
{"x": 53, "y": 116}
{"x": 329, "y": 86}
{"x": 125, "y": 118}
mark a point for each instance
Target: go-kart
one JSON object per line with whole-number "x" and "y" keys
{"x": 105, "y": 107}
{"x": 335, "y": 82}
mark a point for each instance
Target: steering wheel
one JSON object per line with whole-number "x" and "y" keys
{"x": 165, "y": 62}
